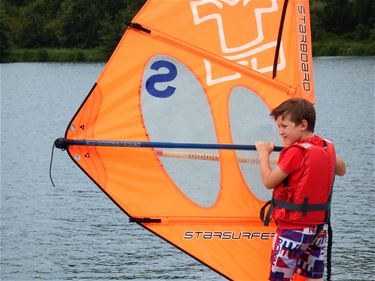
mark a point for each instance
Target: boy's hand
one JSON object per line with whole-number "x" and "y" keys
{"x": 270, "y": 178}
{"x": 264, "y": 147}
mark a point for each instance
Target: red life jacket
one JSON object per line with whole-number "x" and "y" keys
{"x": 307, "y": 201}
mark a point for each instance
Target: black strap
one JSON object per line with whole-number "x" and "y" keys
{"x": 266, "y": 218}
{"x": 328, "y": 213}
{"x": 329, "y": 251}
{"x": 304, "y": 207}
{"x": 281, "y": 27}
{"x": 330, "y": 231}
{"x": 144, "y": 220}
{"x": 138, "y": 27}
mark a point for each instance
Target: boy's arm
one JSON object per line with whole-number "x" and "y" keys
{"x": 271, "y": 178}
{"x": 340, "y": 167}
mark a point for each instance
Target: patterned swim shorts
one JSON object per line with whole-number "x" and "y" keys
{"x": 299, "y": 251}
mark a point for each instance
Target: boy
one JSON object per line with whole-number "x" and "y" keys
{"x": 302, "y": 184}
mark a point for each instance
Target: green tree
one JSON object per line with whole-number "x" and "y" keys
{"x": 347, "y": 16}
{"x": 317, "y": 28}
{"x": 4, "y": 32}
{"x": 337, "y": 16}
{"x": 37, "y": 22}
{"x": 113, "y": 23}
{"x": 18, "y": 2}
{"x": 79, "y": 22}
{"x": 364, "y": 12}
{"x": 109, "y": 34}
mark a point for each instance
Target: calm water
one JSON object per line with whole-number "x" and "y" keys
{"x": 74, "y": 232}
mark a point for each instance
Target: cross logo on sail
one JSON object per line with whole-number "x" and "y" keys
{"x": 244, "y": 53}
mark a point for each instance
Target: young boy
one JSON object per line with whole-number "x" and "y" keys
{"x": 302, "y": 184}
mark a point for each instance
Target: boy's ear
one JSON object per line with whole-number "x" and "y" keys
{"x": 304, "y": 124}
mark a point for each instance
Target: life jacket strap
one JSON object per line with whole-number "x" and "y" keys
{"x": 304, "y": 207}
{"x": 265, "y": 214}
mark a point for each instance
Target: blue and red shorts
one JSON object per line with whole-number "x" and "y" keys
{"x": 299, "y": 251}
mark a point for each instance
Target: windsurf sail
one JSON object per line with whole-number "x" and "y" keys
{"x": 199, "y": 71}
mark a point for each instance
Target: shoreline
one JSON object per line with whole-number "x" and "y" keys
{"x": 320, "y": 49}
{"x": 54, "y": 55}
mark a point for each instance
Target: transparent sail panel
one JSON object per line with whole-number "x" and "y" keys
{"x": 250, "y": 122}
{"x": 175, "y": 109}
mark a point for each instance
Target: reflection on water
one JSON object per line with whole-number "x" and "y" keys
{"x": 75, "y": 232}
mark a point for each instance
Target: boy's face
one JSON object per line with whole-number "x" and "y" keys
{"x": 289, "y": 131}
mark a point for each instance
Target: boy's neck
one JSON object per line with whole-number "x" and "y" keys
{"x": 306, "y": 135}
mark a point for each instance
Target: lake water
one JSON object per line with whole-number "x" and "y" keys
{"x": 74, "y": 232}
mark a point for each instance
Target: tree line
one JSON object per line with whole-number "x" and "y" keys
{"x": 87, "y": 24}
{"x": 352, "y": 19}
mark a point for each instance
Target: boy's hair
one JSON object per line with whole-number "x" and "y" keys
{"x": 296, "y": 109}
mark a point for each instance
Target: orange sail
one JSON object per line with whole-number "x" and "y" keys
{"x": 196, "y": 71}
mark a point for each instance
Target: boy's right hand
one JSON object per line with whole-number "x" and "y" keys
{"x": 264, "y": 147}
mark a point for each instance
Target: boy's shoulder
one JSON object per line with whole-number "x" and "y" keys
{"x": 296, "y": 148}
{"x": 315, "y": 140}
{"x": 308, "y": 142}
{"x": 299, "y": 147}
{"x": 291, "y": 158}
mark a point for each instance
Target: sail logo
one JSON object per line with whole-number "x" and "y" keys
{"x": 303, "y": 48}
{"x": 244, "y": 54}
{"x": 227, "y": 235}
{"x": 168, "y": 72}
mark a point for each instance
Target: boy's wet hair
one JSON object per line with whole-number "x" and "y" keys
{"x": 296, "y": 109}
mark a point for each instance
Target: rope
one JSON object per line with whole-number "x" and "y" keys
{"x": 50, "y": 165}
{"x": 329, "y": 252}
